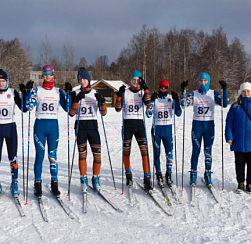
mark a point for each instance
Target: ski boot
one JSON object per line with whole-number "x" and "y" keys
{"x": 38, "y": 188}
{"x": 248, "y": 188}
{"x": 169, "y": 179}
{"x": 193, "y": 177}
{"x": 54, "y": 188}
{"x": 14, "y": 188}
{"x": 84, "y": 183}
{"x": 207, "y": 177}
{"x": 129, "y": 181}
{"x": 159, "y": 178}
{"x": 240, "y": 188}
{"x": 147, "y": 183}
{"x": 95, "y": 183}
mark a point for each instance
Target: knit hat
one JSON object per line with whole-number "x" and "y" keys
{"x": 3, "y": 75}
{"x": 83, "y": 74}
{"x": 245, "y": 86}
{"x": 206, "y": 77}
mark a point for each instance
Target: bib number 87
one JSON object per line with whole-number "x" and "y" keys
{"x": 203, "y": 110}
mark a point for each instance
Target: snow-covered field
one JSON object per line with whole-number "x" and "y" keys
{"x": 143, "y": 223}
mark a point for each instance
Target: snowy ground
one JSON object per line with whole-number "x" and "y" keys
{"x": 143, "y": 223}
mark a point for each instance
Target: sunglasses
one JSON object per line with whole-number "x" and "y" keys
{"x": 48, "y": 73}
{"x": 166, "y": 87}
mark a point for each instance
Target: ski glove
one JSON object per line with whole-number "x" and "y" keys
{"x": 174, "y": 95}
{"x": 29, "y": 85}
{"x": 80, "y": 96}
{"x": 68, "y": 86}
{"x": 143, "y": 85}
{"x": 184, "y": 84}
{"x": 22, "y": 88}
{"x": 100, "y": 98}
{"x": 223, "y": 84}
{"x": 154, "y": 96}
{"x": 121, "y": 91}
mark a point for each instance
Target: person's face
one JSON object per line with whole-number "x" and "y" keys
{"x": 246, "y": 93}
{"x": 203, "y": 82}
{"x": 48, "y": 76}
{"x": 2, "y": 83}
{"x": 135, "y": 81}
{"x": 163, "y": 88}
{"x": 83, "y": 82}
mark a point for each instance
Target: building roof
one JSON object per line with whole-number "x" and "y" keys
{"x": 113, "y": 84}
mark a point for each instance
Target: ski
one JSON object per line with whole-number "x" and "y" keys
{"x": 174, "y": 193}
{"x": 107, "y": 200}
{"x": 212, "y": 191}
{"x": 85, "y": 202}
{"x": 193, "y": 201}
{"x": 62, "y": 204}
{"x": 163, "y": 190}
{"x": 18, "y": 204}
{"x": 42, "y": 209}
{"x": 150, "y": 193}
{"x": 131, "y": 197}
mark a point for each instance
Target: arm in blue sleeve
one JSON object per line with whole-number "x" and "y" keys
{"x": 218, "y": 98}
{"x": 63, "y": 100}
{"x": 149, "y": 111}
{"x": 188, "y": 100}
{"x": 229, "y": 124}
{"x": 31, "y": 99}
{"x": 177, "y": 108}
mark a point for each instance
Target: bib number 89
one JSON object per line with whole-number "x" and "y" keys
{"x": 132, "y": 108}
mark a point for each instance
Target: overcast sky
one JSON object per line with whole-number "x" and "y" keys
{"x": 104, "y": 27}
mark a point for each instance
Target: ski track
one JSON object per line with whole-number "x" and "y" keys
{"x": 144, "y": 222}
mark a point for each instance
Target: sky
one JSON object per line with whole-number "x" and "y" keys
{"x": 99, "y": 27}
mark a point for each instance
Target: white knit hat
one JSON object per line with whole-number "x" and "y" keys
{"x": 245, "y": 86}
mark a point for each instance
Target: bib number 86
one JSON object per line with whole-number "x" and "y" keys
{"x": 46, "y": 106}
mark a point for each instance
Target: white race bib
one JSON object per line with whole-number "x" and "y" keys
{"x": 163, "y": 111}
{"x": 7, "y": 107}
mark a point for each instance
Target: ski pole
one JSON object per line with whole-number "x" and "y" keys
{"x": 145, "y": 132}
{"x": 123, "y": 115}
{"x": 107, "y": 144}
{"x": 175, "y": 147}
{"x": 68, "y": 108}
{"x": 222, "y": 156}
{"x": 28, "y": 149}
{"x": 153, "y": 139}
{"x": 22, "y": 108}
{"x": 184, "y": 123}
{"x": 76, "y": 136}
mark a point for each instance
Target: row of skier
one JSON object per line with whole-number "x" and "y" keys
{"x": 85, "y": 102}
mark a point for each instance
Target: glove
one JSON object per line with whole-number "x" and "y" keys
{"x": 154, "y": 96}
{"x": 22, "y": 88}
{"x": 68, "y": 86}
{"x": 174, "y": 95}
{"x": 80, "y": 96}
{"x": 29, "y": 85}
{"x": 223, "y": 84}
{"x": 184, "y": 84}
{"x": 100, "y": 98}
{"x": 121, "y": 91}
{"x": 143, "y": 85}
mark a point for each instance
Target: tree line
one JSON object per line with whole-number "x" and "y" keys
{"x": 175, "y": 56}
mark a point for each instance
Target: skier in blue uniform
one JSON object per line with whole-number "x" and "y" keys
{"x": 162, "y": 128}
{"x": 203, "y": 101}
{"x": 238, "y": 135}
{"x": 8, "y": 98}
{"x": 46, "y": 99}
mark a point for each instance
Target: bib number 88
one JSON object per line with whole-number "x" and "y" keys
{"x": 162, "y": 115}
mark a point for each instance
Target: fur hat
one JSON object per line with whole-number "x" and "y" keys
{"x": 245, "y": 86}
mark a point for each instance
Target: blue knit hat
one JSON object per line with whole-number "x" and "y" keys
{"x": 3, "y": 75}
{"x": 205, "y": 76}
{"x": 83, "y": 74}
{"x": 135, "y": 73}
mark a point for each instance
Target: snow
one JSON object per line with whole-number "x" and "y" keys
{"x": 142, "y": 223}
